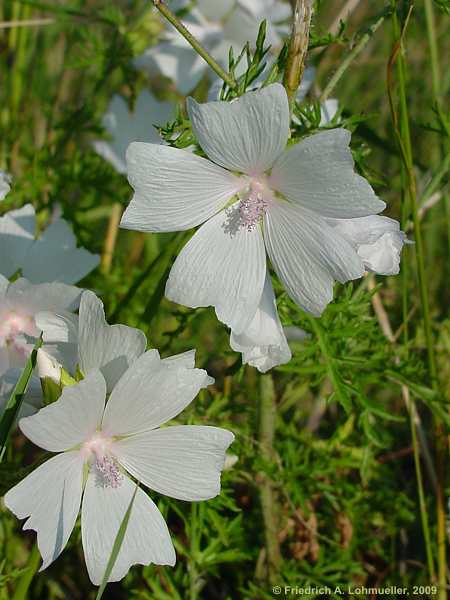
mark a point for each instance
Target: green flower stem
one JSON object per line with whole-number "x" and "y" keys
{"x": 169, "y": 15}
{"x": 267, "y": 419}
{"x": 405, "y": 146}
{"x": 298, "y": 47}
{"x": 358, "y": 48}
{"x": 24, "y": 582}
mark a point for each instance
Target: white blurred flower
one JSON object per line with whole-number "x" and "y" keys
{"x": 126, "y": 127}
{"x": 103, "y": 448}
{"x": 218, "y": 25}
{"x": 378, "y": 241}
{"x": 263, "y": 343}
{"x": 21, "y": 306}
{"x": 284, "y": 196}
{"x": 54, "y": 256}
{"x": 5, "y": 184}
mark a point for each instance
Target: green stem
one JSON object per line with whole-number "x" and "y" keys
{"x": 267, "y": 418}
{"x": 405, "y": 146}
{"x": 169, "y": 15}
{"x": 193, "y": 552}
{"x": 419, "y": 478}
{"x": 352, "y": 55}
{"x": 434, "y": 55}
{"x": 298, "y": 47}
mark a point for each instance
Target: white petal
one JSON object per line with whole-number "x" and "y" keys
{"x": 61, "y": 327}
{"x": 263, "y": 343}
{"x": 378, "y": 241}
{"x": 178, "y": 62}
{"x": 5, "y": 187}
{"x": 328, "y": 110}
{"x": 70, "y": 420}
{"x": 16, "y": 235}
{"x": 50, "y": 496}
{"x": 55, "y": 257}
{"x": 308, "y": 255}
{"x": 32, "y": 400}
{"x": 34, "y": 298}
{"x": 246, "y": 135}
{"x": 152, "y": 392}
{"x": 174, "y": 189}
{"x": 183, "y": 461}
{"x": 147, "y": 539}
{"x": 48, "y": 367}
{"x": 221, "y": 267}
{"x": 110, "y": 348}
{"x": 318, "y": 174}
{"x": 125, "y": 126}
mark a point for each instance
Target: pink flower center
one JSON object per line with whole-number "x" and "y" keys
{"x": 97, "y": 452}
{"x": 253, "y": 204}
{"x": 13, "y": 326}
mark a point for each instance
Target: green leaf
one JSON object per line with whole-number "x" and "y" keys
{"x": 15, "y": 400}
{"x": 117, "y": 545}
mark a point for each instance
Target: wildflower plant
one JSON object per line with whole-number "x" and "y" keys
{"x": 265, "y": 182}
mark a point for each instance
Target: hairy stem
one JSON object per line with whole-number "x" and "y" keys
{"x": 173, "y": 19}
{"x": 267, "y": 418}
{"x": 298, "y": 47}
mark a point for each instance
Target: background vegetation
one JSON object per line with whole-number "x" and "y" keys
{"x": 328, "y": 485}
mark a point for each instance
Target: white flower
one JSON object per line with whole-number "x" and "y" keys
{"x": 126, "y": 127}
{"x": 5, "y": 184}
{"x": 218, "y": 25}
{"x": 54, "y": 256}
{"x": 100, "y": 446}
{"x": 263, "y": 343}
{"x": 378, "y": 241}
{"x": 21, "y": 305}
{"x": 283, "y": 199}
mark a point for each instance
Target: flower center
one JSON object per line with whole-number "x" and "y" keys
{"x": 97, "y": 453}
{"x": 14, "y": 323}
{"x": 253, "y": 205}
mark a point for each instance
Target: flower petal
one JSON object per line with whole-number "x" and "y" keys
{"x": 39, "y": 297}
{"x": 110, "y": 348}
{"x": 183, "y": 461}
{"x": 308, "y": 255}
{"x": 55, "y": 257}
{"x": 147, "y": 539}
{"x": 152, "y": 392}
{"x": 263, "y": 343}
{"x": 221, "y": 267}
{"x": 50, "y": 496}
{"x": 70, "y": 420}
{"x": 318, "y": 174}
{"x": 245, "y": 135}
{"x": 16, "y": 236}
{"x": 125, "y": 126}
{"x": 378, "y": 241}
{"x": 174, "y": 189}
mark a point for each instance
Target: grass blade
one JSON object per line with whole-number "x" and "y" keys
{"x": 15, "y": 400}
{"x": 116, "y": 547}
